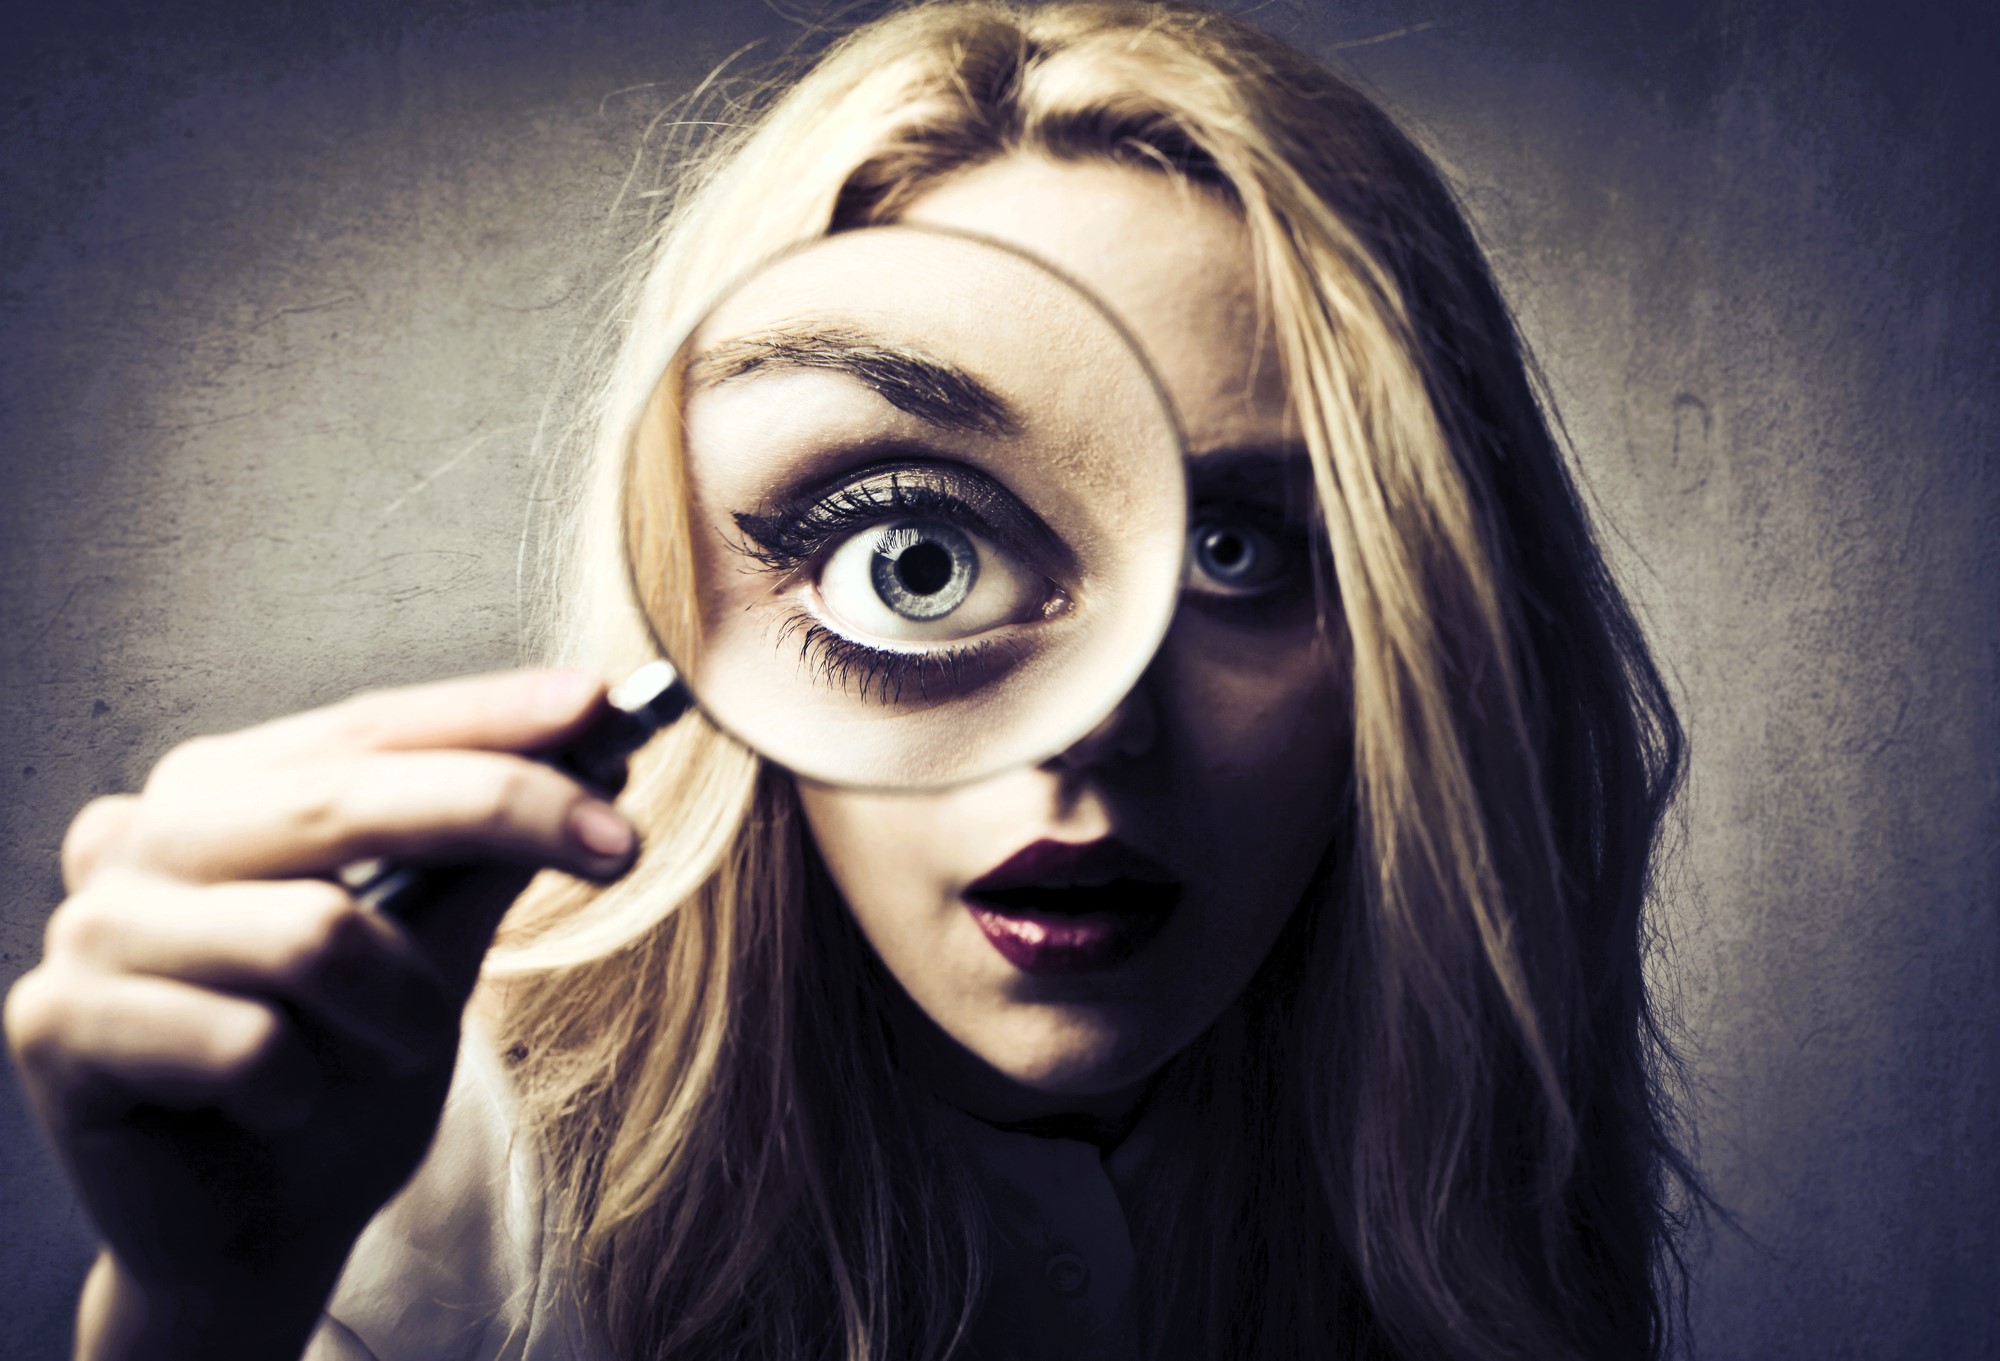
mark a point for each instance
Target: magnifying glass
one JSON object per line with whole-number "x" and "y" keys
{"x": 906, "y": 508}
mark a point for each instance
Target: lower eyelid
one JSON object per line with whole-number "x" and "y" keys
{"x": 836, "y": 656}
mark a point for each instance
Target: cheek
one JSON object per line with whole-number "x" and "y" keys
{"x": 878, "y": 851}
{"x": 878, "y": 848}
{"x": 1264, "y": 760}
{"x": 1259, "y": 708}
{"x": 899, "y": 860}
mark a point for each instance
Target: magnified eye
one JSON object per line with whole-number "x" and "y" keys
{"x": 917, "y": 580}
{"x": 923, "y": 572}
{"x": 909, "y": 569}
{"x": 1235, "y": 559}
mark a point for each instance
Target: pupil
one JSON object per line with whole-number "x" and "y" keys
{"x": 924, "y": 568}
{"x": 1227, "y": 550}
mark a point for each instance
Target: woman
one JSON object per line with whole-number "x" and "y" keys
{"x": 1386, "y": 1085}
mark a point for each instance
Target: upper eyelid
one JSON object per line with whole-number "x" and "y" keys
{"x": 1282, "y": 514}
{"x": 788, "y": 534}
{"x": 1294, "y": 538}
{"x": 987, "y": 505}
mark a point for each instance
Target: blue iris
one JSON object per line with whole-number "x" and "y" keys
{"x": 923, "y": 570}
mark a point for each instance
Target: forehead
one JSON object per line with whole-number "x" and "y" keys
{"x": 1171, "y": 260}
{"x": 901, "y": 336}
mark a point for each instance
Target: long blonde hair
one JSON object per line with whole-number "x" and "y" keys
{"x": 1436, "y": 1123}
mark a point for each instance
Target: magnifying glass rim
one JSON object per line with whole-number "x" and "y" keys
{"x": 629, "y": 453}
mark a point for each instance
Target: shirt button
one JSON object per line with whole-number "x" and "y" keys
{"x": 1066, "y": 1273}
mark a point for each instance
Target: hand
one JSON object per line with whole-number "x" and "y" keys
{"x": 236, "y": 1061}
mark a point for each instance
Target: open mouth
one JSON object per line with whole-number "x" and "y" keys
{"x": 1063, "y": 907}
{"x": 1077, "y": 900}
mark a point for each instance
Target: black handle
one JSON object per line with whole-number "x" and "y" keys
{"x": 650, "y": 699}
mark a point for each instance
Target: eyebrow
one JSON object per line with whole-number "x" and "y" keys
{"x": 935, "y": 392}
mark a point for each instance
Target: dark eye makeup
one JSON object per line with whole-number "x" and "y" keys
{"x": 802, "y": 525}
{"x": 1251, "y": 535}
{"x": 929, "y": 518}
{"x": 1247, "y": 556}
{"x": 913, "y": 536}
{"x": 889, "y": 677}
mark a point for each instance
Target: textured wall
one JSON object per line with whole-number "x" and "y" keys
{"x": 281, "y": 294}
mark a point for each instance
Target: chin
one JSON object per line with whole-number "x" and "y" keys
{"x": 1069, "y": 1056}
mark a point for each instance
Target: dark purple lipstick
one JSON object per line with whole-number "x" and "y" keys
{"x": 1058, "y": 907}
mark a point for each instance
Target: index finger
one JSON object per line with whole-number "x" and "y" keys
{"x": 92, "y": 833}
{"x": 501, "y": 711}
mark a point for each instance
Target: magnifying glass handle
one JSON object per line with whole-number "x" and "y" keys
{"x": 650, "y": 699}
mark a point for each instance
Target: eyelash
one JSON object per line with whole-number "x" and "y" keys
{"x": 1291, "y": 538}
{"x": 841, "y": 660}
{"x": 793, "y": 536}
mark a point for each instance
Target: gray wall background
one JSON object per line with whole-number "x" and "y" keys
{"x": 282, "y": 289}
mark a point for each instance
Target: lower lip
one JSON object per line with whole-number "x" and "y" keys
{"x": 1047, "y": 943}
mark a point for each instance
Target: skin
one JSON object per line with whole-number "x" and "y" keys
{"x": 1225, "y": 764}
{"x": 205, "y": 1001}
{"x": 208, "y": 997}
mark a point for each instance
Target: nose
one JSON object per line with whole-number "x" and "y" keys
{"x": 1128, "y": 730}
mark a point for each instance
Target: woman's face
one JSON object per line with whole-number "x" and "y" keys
{"x": 1067, "y": 928}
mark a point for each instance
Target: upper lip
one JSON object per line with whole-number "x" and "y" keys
{"x": 1069, "y": 864}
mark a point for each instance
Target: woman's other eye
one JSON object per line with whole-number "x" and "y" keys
{"x": 925, "y": 581}
{"x": 1235, "y": 559}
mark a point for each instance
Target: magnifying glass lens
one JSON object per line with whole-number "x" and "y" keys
{"x": 907, "y": 509}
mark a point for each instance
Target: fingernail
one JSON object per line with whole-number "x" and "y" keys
{"x": 601, "y": 831}
{"x": 561, "y": 693}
